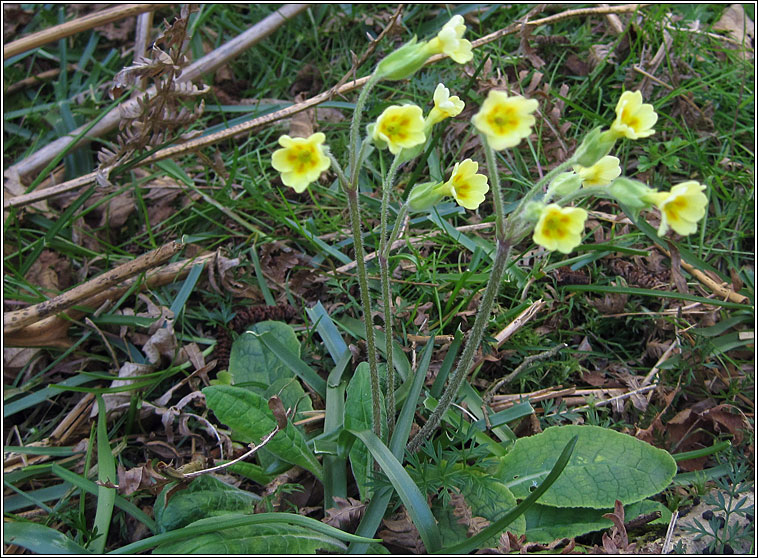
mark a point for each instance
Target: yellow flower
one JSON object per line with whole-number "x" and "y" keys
{"x": 445, "y": 106}
{"x": 634, "y": 119}
{"x": 450, "y": 41}
{"x": 601, "y": 173}
{"x": 681, "y": 208}
{"x": 465, "y": 185}
{"x": 300, "y": 160}
{"x": 400, "y": 127}
{"x": 505, "y": 120}
{"x": 560, "y": 228}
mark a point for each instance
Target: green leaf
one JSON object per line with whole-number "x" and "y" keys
{"x": 233, "y": 521}
{"x": 546, "y": 523}
{"x": 204, "y": 497}
{"x": 498, "y": 526}
{"x": 251, "y": 363}
{"x": 414, "y": 502}
{"x": 40, "y": 539}
{"x": 247, "y": 413}
{"x": 485, "y": 496}
{"x": 274, "y": 538}
{"x": 606, "y": 466}
{"x": 359, "y": 416}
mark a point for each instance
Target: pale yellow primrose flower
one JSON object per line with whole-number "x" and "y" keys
{"x": 300, "y": 160}
{"x": 465, "y": 185}
{"x": 400, "y": 127}
{"x": 681, "y": 208}
{"x": 634, "y": 119}
{"x": 445, "y": 106}
{"x": 450, "y": 41}
{"x": 505, "y": 120}
{"x": 602, "y": 173}
{"x": 560, "y": 228}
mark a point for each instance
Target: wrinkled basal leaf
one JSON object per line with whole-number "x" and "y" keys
{"x": 282, "y": 539}
{"x": 605, "y": 466}
{"x": 248, "y": 415}
{"x": 485, "y": 497}
{"x": 205, "y": 496}
{"x": 254, "y": 366}
{"x": 358, "y": 416}
{"x": 546, "y": 524}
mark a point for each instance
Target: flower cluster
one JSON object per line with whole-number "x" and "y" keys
{"x": 503, "y": 121}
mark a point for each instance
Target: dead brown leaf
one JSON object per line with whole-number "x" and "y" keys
{"x": 15, "y": 17}
{"x": 461, "y": 510}
{"x": 401, "y": 532}
{"x": 616, "y": 541}
{"x": 738, "y": 26}
{"x": 50, "y": 272}
{"x": 346, "y": 514}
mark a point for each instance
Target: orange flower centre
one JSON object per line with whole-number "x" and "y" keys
{"x": 555, "y": 226}
{"x": 301, "y": 157}
{"x": 395, "y": 127}
{"x": 502, "y": 119}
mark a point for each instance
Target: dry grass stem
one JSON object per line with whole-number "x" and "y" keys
{"x": 78, "y": 25}
{"x": 13, "y": 321}
{"x": 51, "y": 331}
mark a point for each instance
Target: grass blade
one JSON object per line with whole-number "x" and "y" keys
{"x": 335, "y": 466}
{"x": 106, "y": 473}
{"x": 300, "y": 368}
{"x": 90, "y": 487}
{"x": 327, "y": 330}
{"x": 413, "y": 500}
{"x": 40, "y": 539}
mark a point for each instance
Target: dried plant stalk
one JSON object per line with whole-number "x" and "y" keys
{"x": 13, "y": 321}
{"x": 78, "y": 25}
{"x": 51, "y": 331}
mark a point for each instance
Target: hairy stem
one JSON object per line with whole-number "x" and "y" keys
{"x": 355, "y": 222}
{"x": 502, "y": 254}
{"x": 355, "y": 124}
{"x": 384, "y": 272}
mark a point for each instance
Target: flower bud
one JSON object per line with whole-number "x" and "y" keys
{"x": 596, "y": 145}
{"x": 564, "y": 184}
{"x": 532, "y": 211}
{"x": 631, "y": 193}
{"x": 425, "y": 195}
{"x": 405, "y": 61}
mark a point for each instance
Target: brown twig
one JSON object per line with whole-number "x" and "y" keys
{"x": 13, "y": 321}
{"x": 78, "y": 25}
{"x": 51, "y": 331}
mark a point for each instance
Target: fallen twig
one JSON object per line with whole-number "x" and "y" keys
{"x": 17, "y": 319}
{"x": 75, "y": 26}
